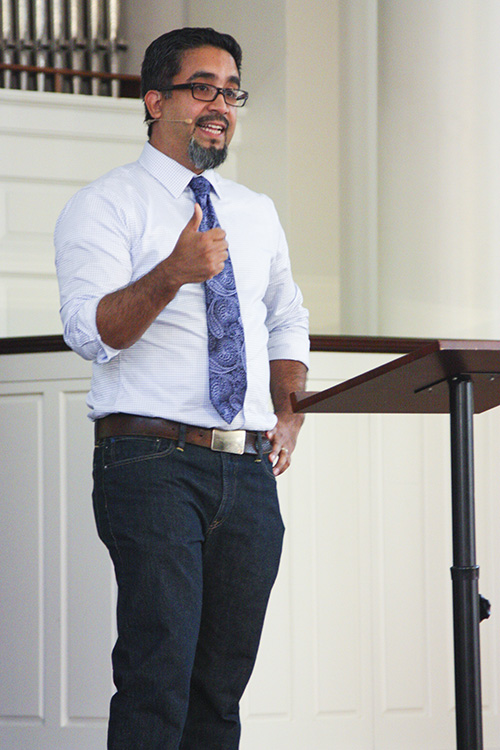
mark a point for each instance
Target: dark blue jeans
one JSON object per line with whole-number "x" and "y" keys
{"x": 195, "y": 537}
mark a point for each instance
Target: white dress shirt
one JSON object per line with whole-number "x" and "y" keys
{"x": 117, "y": 229}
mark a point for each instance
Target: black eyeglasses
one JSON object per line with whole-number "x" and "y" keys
{"x": 205, "y": 92}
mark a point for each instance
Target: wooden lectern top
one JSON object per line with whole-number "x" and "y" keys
{"x": 414, "y": 383}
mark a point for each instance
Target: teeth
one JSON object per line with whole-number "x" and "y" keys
{"x": 213, "y": 128}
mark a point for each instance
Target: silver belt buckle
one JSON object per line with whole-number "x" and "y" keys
{"x": 228, "y": 441}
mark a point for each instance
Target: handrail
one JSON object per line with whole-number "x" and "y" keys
{"x": 319, "y": 343}
{"x": 130, "y": 85}
{"x": 366, "y": 344}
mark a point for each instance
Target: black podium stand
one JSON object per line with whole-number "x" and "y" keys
{"x": 460, "y": 378}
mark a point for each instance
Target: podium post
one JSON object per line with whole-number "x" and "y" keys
{"x": 460, "y": 378}
{"x": 465, "y": 572}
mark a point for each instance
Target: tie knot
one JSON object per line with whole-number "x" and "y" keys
{"x": 200, "y": 187}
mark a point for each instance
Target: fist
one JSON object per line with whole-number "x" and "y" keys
{"x": 199, "y": 256}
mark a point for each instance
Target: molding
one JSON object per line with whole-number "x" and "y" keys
{"x": 32, "y": 344}
{"x": 366, "y": 344}
{"x": 359, "y": 344}
{"x": 49, "y": 99}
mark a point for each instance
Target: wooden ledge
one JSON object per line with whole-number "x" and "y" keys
{"x": 354, "y": 344}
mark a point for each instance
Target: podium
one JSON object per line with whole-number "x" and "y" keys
{"x": 444, "y": 376}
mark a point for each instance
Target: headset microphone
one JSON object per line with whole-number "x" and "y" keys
{"x": 187, "y": 121}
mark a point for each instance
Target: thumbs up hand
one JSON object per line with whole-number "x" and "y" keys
{"x": 198, "y": 256}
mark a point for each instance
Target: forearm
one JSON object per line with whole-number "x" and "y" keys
{"x": 124, "y": 315}
{"x": 287, "y": 375}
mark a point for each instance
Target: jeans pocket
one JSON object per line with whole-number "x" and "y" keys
{"x": 118, "y": 451}
{"x": 267, "y": 466}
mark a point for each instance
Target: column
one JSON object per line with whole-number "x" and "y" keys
{"x": 420, "y": 170}
{"x": 439, "y": 168}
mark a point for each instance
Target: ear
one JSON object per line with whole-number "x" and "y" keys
{"x": 152, "y": 100}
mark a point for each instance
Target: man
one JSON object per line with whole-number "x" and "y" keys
{"x": 180, "y": 292}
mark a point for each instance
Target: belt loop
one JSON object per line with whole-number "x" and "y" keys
{"x": 181, "y": 440}
{"x": 258, "y": 441}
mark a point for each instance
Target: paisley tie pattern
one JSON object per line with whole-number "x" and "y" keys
{"x": 226, "y": 342}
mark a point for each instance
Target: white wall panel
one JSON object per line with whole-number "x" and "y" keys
{"x": 28, "y": 213}
{"x": 357, "y": 651}
{"x": 339, "y": 511}
{"x": 87, "y": 596}
{"x": 50, "y": 145}
{"x": 487, "y": 451}
{"x": 21, "y": 558}
{"x": 402, "y": 573}
{"x": 29, "y": 303}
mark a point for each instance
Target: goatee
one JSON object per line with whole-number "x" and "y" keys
{"x": 206, "y": 158}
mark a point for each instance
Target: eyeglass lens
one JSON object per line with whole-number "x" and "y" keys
{"x": 208, "y": 93}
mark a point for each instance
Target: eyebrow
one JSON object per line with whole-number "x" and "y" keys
{"x": 207, "y": 75}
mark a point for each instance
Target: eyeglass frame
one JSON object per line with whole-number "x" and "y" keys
{"x": 217, "y": 89}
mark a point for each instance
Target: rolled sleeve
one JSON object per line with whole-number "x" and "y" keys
{"x": 92, "y": 260}
{"x": 81, "y": 334}
{"x": 287, "y": 319}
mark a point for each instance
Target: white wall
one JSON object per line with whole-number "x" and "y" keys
{"x": 439, "y": 164}
{"x": 420, "y": 188}
{"x": 139, "y": 26}
{"x": 374, "y": 127}
{"x": 50, "y": 145}
{"x": 357, "y": 652}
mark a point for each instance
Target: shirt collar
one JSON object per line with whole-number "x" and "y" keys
{"x": 172, "y": 175}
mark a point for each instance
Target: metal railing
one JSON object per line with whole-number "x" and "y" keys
{"x": 78, "y": 38}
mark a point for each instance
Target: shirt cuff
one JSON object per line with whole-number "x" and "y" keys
{"x": 281, "y": 347}
{"x": 81, "y": 334}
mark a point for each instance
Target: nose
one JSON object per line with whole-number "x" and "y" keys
{"x": 219, "y": 103}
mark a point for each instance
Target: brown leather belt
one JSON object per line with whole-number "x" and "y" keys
{"x": 227, "y": 441}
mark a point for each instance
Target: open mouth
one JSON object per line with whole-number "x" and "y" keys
{"x": 213, "y": 129}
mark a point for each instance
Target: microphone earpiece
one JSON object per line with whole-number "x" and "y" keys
{"x": 187, "y": 121}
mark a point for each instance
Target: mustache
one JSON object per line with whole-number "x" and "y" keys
{"x": 216, "y": 117}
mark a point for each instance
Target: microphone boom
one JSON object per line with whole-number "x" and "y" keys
{"x": 187, "y": 121}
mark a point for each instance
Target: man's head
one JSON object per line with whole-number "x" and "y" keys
{"x": 182, "y": 58}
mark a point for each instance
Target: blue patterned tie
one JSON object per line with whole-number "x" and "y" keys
{"x": 226, "y": 342}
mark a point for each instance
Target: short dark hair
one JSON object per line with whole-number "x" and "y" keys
{"x": 163, "y": 58}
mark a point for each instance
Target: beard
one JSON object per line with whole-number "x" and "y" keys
{"x": 206, "y": 158}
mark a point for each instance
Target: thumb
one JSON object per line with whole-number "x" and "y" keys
{"x": 194, "y": 222}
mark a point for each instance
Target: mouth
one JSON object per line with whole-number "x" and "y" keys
{"x": 212, "y": 128}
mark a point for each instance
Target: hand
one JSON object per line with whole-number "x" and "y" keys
{"x": 283, "y": 438}
{"x": 197, "y": 256}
